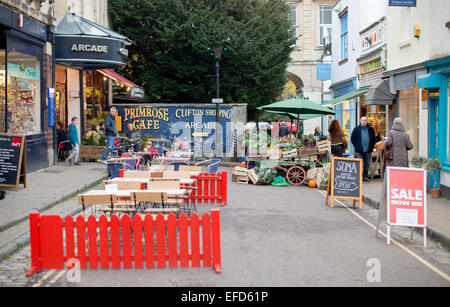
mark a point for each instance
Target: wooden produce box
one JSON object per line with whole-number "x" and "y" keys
{"x": 254, "y": 178}
{"x": 239, "y": 175}
{"x": 323, "y": 146}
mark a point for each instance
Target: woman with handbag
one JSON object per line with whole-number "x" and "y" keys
{"x": 337, "y": 138}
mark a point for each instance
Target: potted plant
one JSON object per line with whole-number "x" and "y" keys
{"x": 418, "y": 162}
{"x": 433, "y": 166}
{"x": 92, "y": 146}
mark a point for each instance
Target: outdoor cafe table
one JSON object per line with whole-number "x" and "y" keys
{"x": 126, "y": 194}
{"x": 148, "y": 174}
{"x": 183, "y": 181}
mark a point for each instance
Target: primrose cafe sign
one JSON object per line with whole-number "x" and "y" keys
{"x": 76, "y": 48}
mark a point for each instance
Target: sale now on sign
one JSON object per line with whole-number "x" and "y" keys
{"x": 406, "y": 197}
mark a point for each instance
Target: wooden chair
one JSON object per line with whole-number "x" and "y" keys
{"x": 156, "y": 174}
{"x": 163, "y": 185}
{"x": 190, "y": 168}
{"x": 144, "y": 198}
{"x": 102, "y": 200}
{"x": 179, "y": 175}
{"x": 164, "y": 179}
{"x": 125, "y": 185}
{"x": 137, "y": 174}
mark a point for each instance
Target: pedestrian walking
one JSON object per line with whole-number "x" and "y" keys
{"x": 284, "y": 130}
{"x": 73, "y": 140}
{"x": 397, "y": 145}
{"x": 110, "y": 132}
{"x": 337, "y": 138}
{"x": 363, "y": 140}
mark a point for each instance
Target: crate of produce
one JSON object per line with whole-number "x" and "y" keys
{"x": 255, "y": 179}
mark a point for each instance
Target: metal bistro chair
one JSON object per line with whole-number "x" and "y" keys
{"x": 177, "y": 164}
{"x": 115, "y": 167}
{"x": 213, "y": 165}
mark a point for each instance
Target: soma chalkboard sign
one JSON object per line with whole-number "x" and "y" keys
{"x": 345, "y": 181}
{"x": 12, "y": 160}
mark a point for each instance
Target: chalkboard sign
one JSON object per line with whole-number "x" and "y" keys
{"x": 345, "y": 180}
{"x": 12, "y": 160}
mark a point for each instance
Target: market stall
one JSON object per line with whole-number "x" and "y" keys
{"x": 288, "y": 160}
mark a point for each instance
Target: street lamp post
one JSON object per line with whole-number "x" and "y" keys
{"x": 217, "y": 55}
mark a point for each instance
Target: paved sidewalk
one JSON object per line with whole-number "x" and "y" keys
{"x": 51, "y": 190}
{"x": 47, "y": 187}
{"x": 438, "y": 210}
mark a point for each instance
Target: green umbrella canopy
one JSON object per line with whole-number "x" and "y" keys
{"x": 298, "y": 105}
{"x": 295, "y": 116}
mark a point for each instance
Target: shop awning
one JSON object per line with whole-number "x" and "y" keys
{"x": 345, "y": 97}
{"x": 379, "y": 94}
{"x": 84, "y": 44}
{"x": 136, "y": 91}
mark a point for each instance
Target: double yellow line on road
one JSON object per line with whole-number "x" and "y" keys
{"x": 47, "y": 275}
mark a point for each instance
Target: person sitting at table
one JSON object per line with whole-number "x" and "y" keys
{"x": 134, "y": 136}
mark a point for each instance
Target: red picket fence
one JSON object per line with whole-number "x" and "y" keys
{"x": 211, "y": 188}
{"x": 115, "y": 242}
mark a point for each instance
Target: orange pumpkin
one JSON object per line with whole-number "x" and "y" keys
{"x": 312, "y": 184}
{"x": 243, "y": 164}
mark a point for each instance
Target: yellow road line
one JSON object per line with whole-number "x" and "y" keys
{"x": 423, "y": 261}
{"x": 56, "y": 278}
{"x": 38, "y": 284}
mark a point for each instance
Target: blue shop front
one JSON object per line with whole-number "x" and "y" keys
{"x": 346, "y": 106}
{"x": 191, "y": 123}
{"x": 436, "y": 84}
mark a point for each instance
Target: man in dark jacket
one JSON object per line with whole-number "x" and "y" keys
{"x": 363, "y": 139}
{"x": 110, "y": 132}
{"x": 283, "y": 131}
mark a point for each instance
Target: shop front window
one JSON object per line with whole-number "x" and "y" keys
{"x": 24, "y": 93}
{"x": 96, "y": 95}
{"x": 2, "y": 89}
{"x": 376, "y": 117}
{"x": 409, "y": 113}
{"x": 448, "y": 122}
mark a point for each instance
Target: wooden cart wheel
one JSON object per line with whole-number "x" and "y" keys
{"x": 296, "y": 175}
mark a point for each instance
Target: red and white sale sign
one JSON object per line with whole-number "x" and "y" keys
{"x": 407, "y": 197}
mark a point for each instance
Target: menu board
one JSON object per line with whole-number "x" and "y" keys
{"x": 12, "y": 160}
{"x": 345, "y": 179}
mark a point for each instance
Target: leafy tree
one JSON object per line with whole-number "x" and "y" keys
{"x": 174, "y": 40}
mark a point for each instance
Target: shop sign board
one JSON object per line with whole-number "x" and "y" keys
{"x": 323, "y": 71}
{"x": 51, "y": 107}
{"x": 406, "y": 198}
{"x": 12, "y": 160}
{"x": 345, "y": 181}
{"x": 196, "y": 124}
{"x": 407, "y": 3}
{"x": 90, "y": 51}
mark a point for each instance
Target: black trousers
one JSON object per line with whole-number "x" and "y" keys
{"x": 337, "y": 150}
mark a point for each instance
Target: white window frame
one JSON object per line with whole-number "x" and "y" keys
{"x": 325, "y": 26}
{"x": 295, "y": 25}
